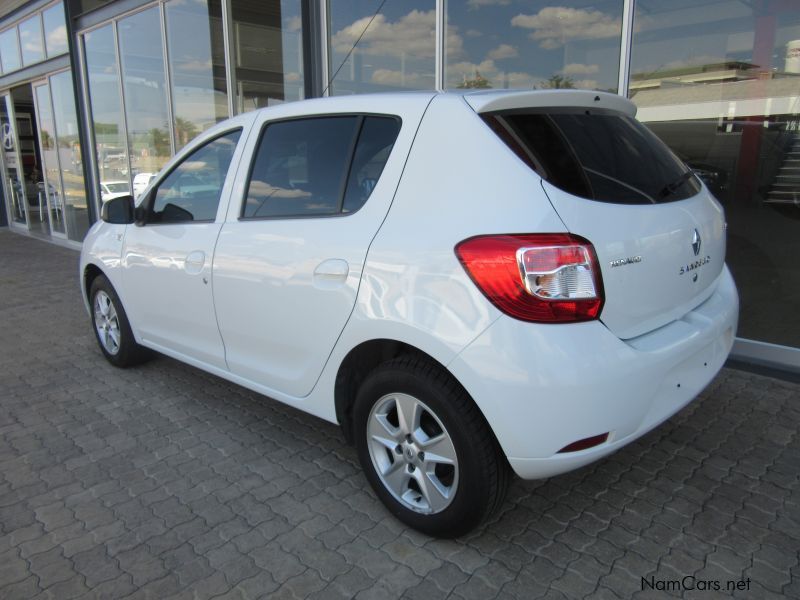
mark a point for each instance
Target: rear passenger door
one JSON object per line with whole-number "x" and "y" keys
{"x": 289, "y": 258}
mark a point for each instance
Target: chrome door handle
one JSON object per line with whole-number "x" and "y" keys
{"x": 194, "y": 262}
{"x": 331, "y": 272}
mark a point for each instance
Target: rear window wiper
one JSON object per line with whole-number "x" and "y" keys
{"x": 671, "y": 188}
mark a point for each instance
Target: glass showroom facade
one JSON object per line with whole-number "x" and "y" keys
{"x": 95, "y": 96}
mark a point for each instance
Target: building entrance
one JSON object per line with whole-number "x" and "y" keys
{"x": 42, "y": 169}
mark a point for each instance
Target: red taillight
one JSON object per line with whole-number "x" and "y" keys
{"x": 545, "y": 278}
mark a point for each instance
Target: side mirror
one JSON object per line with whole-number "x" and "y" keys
{"x": 118, "y": 211}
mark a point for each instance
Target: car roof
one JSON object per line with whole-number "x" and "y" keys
{"x": 480, "y": 100}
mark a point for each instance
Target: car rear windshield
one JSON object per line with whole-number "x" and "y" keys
{"x": 598, "y": 155}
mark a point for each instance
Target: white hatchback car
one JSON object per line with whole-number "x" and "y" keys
{"x": 464, "y": 282}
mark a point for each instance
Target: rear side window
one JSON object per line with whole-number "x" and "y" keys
{"x": 191, "y": 192}
{"x": 318, "y": 166}
{"x": 374, "y": 146}
{"x": 598, "y": 155}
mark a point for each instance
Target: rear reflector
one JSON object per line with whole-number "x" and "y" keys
{"x": 544, "y": 278}
{"x": 585, "y": 443}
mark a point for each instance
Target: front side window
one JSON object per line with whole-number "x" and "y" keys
{"x": 318, "y": 166}
{"x": 191, "y": 192}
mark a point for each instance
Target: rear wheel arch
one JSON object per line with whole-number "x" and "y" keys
{"x": 355, "y": 367}
{"x": 360, "y": 362}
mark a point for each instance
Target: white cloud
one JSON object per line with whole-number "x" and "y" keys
{"x": 579, "y": 69}
{"x": 57, "y": 37}
{"x": 456, "y": 72}
{"x": 459, "y": 72}
{"x": 294, "y": 24}
{"x": 473, "y": 33}
{"x": 503, "y": 51}
{"x": 587, "y": 84}
{"x": 553, "y": 26}
{"x": 413, "y": 36}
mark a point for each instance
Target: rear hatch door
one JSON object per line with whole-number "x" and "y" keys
{"x": 658, "y": 233}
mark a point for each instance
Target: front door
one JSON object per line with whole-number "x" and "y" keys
{"x": 50, "y": 189}
{"x": 167, "y": 259}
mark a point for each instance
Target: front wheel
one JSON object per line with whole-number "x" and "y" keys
{"x": 111, "y": 327}
{"x": 426, "y": 449}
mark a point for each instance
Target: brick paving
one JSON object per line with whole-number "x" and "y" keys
{"x": 165, "y": 482}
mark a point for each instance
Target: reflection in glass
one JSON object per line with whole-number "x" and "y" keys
{"x": 197, "y": 66}
{"x": 521, "y": 44}
{"x": 191, "y": 192}
{"x": 30, "y": 38}
{"x": 299, "y": 168}
{"x": 268, "y": 51}
{"x": 9, "y": 50}
{"x": 15, "y": 190}
{"x": 106, "y": 106}
{"x": 55, "y": 30}
{"x": 50, "y": 192}
{"x": 70, "y": 156}
{"x": 397, "y": 48}
{"x": 144, "y": 83}
{"x": 722, "y": 93}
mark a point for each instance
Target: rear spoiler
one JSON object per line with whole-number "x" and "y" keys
{"x": 485, "y": 102}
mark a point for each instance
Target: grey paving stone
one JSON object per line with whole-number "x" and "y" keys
{"x": 162, "y": 481}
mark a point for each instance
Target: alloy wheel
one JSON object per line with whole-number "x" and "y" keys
{"x": 412, "y": 452}
{"x": 106, "y": 322}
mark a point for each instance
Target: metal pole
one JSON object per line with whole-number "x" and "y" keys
{"x": 173, "y": 144}
{"x": 441, "y": 50}
{"x": 230, "y": 63}
{"x": 628, "y": 10}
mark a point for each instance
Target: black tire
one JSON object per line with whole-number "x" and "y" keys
{"x": 476, "y": 486}
{"x": 120, "y": 349}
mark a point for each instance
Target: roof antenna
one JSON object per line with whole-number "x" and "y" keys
{"x": 349, "y": 52}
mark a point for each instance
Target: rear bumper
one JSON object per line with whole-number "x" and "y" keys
{"x": 542, "y": 387}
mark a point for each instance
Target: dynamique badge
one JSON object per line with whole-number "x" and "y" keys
{"x": 625, "y": 261}
{"x": 696, "y": 242}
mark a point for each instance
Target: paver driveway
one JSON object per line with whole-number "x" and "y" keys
{"x": 163, "y": 480}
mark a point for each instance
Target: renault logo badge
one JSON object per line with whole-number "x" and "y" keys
{"x": 696, "y": 242}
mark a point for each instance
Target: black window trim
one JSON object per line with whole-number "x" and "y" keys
{"x": 362, "y": 116}
{"x": 149, "y": 200}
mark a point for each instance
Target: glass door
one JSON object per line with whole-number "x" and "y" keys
{"x": 50, "y": 189}
{"x": 13, "y": 180}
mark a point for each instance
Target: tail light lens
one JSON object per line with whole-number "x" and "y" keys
{"x": 544, "y": 278}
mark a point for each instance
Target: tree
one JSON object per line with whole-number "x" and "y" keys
{"x": 185, "y": 130}
{"x": 160, "y": 141}
{"x": 557, "y": 82}
{"x": 479, "y": 82}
